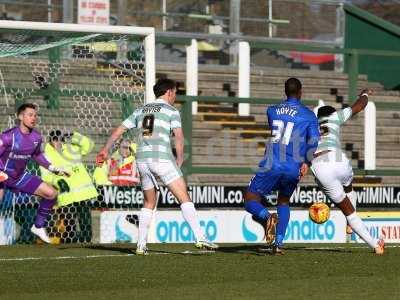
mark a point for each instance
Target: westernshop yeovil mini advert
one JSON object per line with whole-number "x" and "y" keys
{"x": 232, "y": 197}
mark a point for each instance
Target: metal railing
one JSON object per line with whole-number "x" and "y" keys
{"x": 284, "y": 45}
{"x": 187, "y": 120}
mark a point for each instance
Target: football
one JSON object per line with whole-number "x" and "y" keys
{"x": 319, "y": 212}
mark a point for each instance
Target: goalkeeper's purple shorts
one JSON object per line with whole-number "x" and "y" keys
{"x": 26, "y": 183}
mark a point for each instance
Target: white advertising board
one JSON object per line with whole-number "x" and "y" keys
{"x": 221, "y": 226}
{"x": 117, "y": 226}
{"x": 9, "y": 230}
{"x": 384, "y": 225}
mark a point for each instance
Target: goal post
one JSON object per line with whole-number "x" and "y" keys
{"x": 147, "y": 32}
{"x": 85, "y": 79}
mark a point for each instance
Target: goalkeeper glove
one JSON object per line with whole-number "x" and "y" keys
{"x": 58, "y": 171}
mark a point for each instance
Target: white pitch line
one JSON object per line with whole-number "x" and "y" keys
{"x": 63, "y": 257}
{"x": 100, "y": 256}
{"x": 197, "y": 252}
{"x": 172, "y": 253}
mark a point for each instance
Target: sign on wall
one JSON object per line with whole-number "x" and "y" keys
{"x": 381, "y": 196}
{"x": 94, "y": 12}
{"x": 232, "y": 197}
{"x": 202, "y": 196}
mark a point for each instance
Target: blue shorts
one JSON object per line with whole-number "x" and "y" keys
{"x": 263, "y": 183}
{"x": 25, "y": 183}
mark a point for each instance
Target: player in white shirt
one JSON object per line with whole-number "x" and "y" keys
{"x": 157, "y": 121}
{"x": 332, "y": 170}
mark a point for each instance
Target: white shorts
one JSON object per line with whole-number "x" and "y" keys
{"x": 332, "y": 171}
{"x": 166, "y": 171}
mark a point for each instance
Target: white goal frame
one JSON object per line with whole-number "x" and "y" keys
{"x": 147, "y": 32}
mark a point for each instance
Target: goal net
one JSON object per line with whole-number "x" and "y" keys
{"x": 84, "y": 79}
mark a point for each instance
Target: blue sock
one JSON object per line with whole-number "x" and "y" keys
{"x": 284, "y": 216}
{"x": 256, "y": 209}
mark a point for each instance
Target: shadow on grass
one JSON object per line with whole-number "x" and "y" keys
{"x": 318, "y": 249}
{"x": 249, "y": 249}
{"x": 124, "y": 248}
{"x": 259, "y": 249}
{"x": 130, "y": 249}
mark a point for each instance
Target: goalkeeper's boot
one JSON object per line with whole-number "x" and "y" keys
{"x": 205, "y": 244}
{"x": 380, "y": 248}
{"x": 142, "y": 250}
{"x": 270, "y": 228}
{"x": 41, "y": 233}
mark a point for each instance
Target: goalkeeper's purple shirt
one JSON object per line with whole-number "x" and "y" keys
{"x": 16, "y": 148}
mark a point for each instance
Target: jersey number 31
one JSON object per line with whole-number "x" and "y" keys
{"x": 278, "y": 129}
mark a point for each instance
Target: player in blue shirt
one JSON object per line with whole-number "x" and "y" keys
{"x": 295, "y": 135}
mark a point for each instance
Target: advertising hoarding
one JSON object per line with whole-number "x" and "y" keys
{"x": 384, "y": 225}
{"x": 221, "y": 226}
{"x": 232, "y": 197}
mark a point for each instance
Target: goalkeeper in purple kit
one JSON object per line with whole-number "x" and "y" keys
{"x": 17, "y": 146}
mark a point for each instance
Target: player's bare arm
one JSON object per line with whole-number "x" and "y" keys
{"x": 179, "y": 144}
{"x": 361, "y": 102}
{"x": 116, "y": 134}
{"x": 303, "y": 170}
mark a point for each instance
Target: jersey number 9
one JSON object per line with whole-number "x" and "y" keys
{"x": 148, "y": 125}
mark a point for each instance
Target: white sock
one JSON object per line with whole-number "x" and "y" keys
{"x": 358, "y": 226}
{"x": 145, "y": 217}
{"x": 190, "y": 215}
{"x": 352, "y": 198}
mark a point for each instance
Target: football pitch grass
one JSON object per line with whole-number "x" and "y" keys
{"x": 178, "y": 271}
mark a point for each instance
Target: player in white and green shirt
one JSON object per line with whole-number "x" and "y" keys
{"x": 333, "y": 171}
{"x": 330, "y": 124}
{"x": 157, "y": 121}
